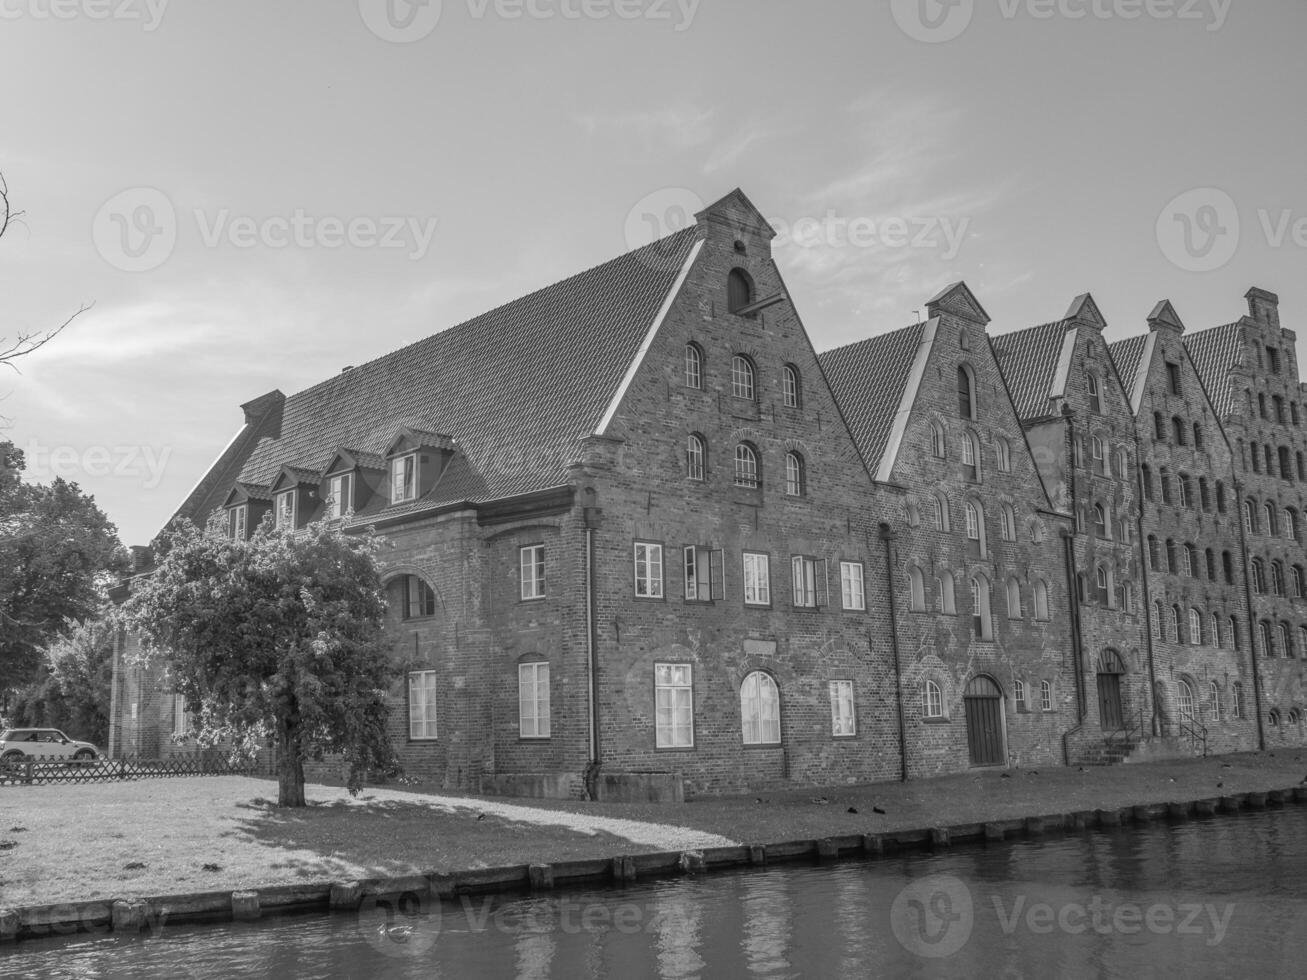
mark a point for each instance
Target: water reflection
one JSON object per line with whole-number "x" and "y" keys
{"x": 1223, "y": 897}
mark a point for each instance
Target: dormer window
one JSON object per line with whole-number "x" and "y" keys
{"x": 340, "y": 496}
{"x": 238, "y": 522}
{"x": 287, "y": 510}
{"x": 404, "y": 478}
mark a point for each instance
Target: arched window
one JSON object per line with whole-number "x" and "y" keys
{"x": 1269, "y": 509}
{"x": 1100, "y": 521}
{"x": 1286, "y": 467}
{"x": 739, "y": 290}
{"x": 1008, "y": 519}
{"x": 1178, "y": 430}
{"x": 1282, "y": 637}
{"x": 1172, "y": 562}
{"x": 696, "y": 455}
{"x": 981, "y": 621}
{"x": 942, "y": 521}
{"x": 742, "y": 375}
{"x": 1302, "y": 640}
{"x": 1204, "y": 494}
{"x": 1227, "y": 566}
{"x": 792, "y": 387}
{"x": 1236, "y": 700}
{"x": 1173, "y": 624}
{"x": 746, "y": 466}
{"x": 693, "y": 366}
{"x": 1154, "y": 553}
{"x": 1165, "y": 479}
{"x": 1127, "y": 603}
{"x": 1095, "y": 400}
{"x": 1146, "y": 472}
{"x": 1217, "y": 640}
{"x": 1122, "y": 463}
{"x": 916, "y": 590}
{"x": 1296, "y": 577}
{"x": 1185, "y": 495}
{"x": 1249, "y": 517}
{"x": 914, "y": 514}
{"x": 1103, "y": 585}
{"x": 795, "y": 477}
{"x": 937, "y": 446}
{"x": 1261, "y": 403}
{"x": 1195, "y": 628}
{"x": 1045, "y": 696}
{"x": 1159, "y": 427}
{"x": 1220, "y": 497}
{"x": 1041, "y": 599}
{"x": 966, "y": 392}
{"x": 975, "y": 529}
{"x": 1158, "y": 613}
{"x": 1003, "y": 453}
{"x": 971, "y": 456}
{"x": 932, "y": 701}
{"x": 1213, "y": 701}
{"x": 1097, "y": 455}
{"x": 1302, "y": 466}
{"x": 1268, "y": 638}
{"x": 1186, "y": 697}
{"x": 1235, "y": 640}
{"x": 1190, "y": 561}
{"x": 945, "y": 593}
{"x": 1290, "y": 524}
{"x": 1273, "y": 718}
{"x": 1277, "y": 577}
{"x": 1019, "y": 693}
{"x": 1198, "y": 436}
{"x": 760, "y": 709}
{"x": 1013, "y": 599}
{"x": 1259, "y": 576}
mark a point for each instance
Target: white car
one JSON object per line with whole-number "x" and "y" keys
{"x": 42, "y": 744}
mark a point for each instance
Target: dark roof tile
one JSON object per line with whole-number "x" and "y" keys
{"x": 1028, "y": 359}
{"x": 1213, "y": 352}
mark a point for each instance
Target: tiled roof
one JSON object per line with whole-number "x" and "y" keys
{"x": 868, "y": 379}
{"x": 518, "y": 388}
{"x": 1213, "y": 352}
{"x": 1125, "y": 355}
{"x": 1028, "y": 359}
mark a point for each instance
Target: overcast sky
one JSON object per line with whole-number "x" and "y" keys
{"x": 254, "y": 194}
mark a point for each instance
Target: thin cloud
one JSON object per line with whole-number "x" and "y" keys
{"x": 679, "y": 126}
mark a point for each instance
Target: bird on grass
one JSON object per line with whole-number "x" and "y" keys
{"x": 876, "y": 809}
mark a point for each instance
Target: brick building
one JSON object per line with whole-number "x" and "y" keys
{"x": 643, "y": 542}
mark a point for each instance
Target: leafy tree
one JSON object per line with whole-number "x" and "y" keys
{"x": 72, "y": 692}
{"x": 57, "y": 552}
{"x": 276, "y": 638}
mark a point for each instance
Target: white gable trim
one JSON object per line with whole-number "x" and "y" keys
{"x": 1058, "y": 390}
{"x": 900, "y": 426}
{"x": 649, "y": 338}
{"x": 191, "y": 492}
{"x": 1141, "y": 374}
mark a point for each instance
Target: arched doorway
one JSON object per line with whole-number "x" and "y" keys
{"x": 983, "y": 703}
{"x": 1110, "y": 668}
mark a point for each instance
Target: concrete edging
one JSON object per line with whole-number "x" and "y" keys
{"x": 136, "y": 915}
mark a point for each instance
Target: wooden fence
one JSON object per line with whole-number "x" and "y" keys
{"x": 31, "y": 771}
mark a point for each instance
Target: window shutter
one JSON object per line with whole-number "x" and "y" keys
{"x": 717, "y": 574}
{"x": 820, "y": 576}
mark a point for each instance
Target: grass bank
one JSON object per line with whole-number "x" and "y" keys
{"x": 155, "y": 837}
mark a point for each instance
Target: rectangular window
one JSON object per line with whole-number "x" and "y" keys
{"x": 757, "y": 579}
{"x": 419, "y": 598}
{"x": 340, "y": 496}
{"x": 533, "y": 700}
{"x": 810, "y": 584}
{"x": 1173, "y": 377}
{"x": 238, "y": 521}
{"x": 422, "y": 705}
{"x": 181, "y": 718}
{"x": 404, "y": 478}
{"x": 286, "y": 511}
{"x": 851, "y": 589}
{"x": 705, "y": 571}
{"x": 532, "y": 560}
{"x": 674, "y": 706}
{"x": 842, "y": 721}
{"x": 648, "y": 570}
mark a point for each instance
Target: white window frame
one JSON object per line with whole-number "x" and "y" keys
{"x": 932, "y": 700}
{"x": 181, "y": 718}
{"x": 696, "y": 453}
{"x": 760, "y": 709}
{"x": 1045, "y": 696}
{"x": 533, "y": 713}
{"x": 790, "y": 386}
{"x": 1019, "y": 694}
{"x": 647, "y": 558}
{"x": 422, "y": 707}
{"x": 693, "y": 366}
{"x": 340, "y": 496}
{"x": 673, "y": 706}
{"x": 811, "y": 585}
{"x": 746, "y": 466}
{"x": 404, "y": 478}
{"x": 853, "y": 592}
{"x": 238, "y": 522}
{"x": 795, "y": 479}
{"x": 757, "y": 578}
{"x": 287, "y": 516}
{"x": 744, "y": 378}
{"x": 843, "y": 711}
{"x": 531, "y": 571}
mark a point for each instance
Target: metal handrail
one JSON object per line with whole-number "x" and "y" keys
{"x": 1131, "y": 729}
{"x": 1191, "y": 729}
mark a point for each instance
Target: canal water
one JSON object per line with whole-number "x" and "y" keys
{"x": 1225, "y": 897}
